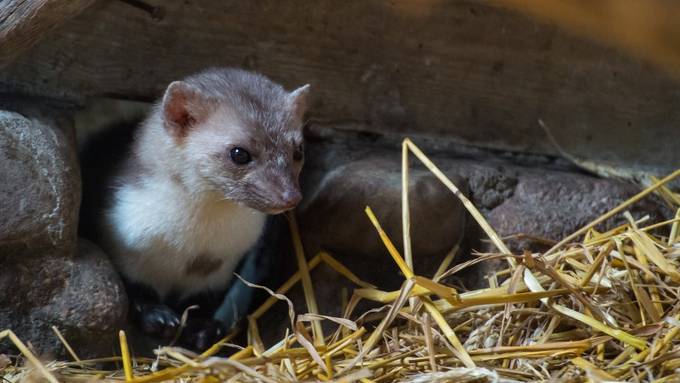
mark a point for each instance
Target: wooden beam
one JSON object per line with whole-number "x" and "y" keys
{"x": 24, "y": 22}
{"x": 467, "y": 69}
{"x": 648, "y": 29}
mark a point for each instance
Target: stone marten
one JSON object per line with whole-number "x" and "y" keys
{"x": 179, "y": 209}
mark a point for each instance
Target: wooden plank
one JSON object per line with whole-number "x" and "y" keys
{"x": 24, "y": 22}
{"x": 646, "y": 28}
{"x": 462, "y": 68}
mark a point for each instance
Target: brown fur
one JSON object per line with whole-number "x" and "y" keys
{"x": 203, "y": 265}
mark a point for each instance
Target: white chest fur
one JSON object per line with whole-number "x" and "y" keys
{"x": 165, "y": 238}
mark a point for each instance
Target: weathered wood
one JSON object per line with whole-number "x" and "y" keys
{"x": 24, "y": 22}
{"x": 481, "y": 74}
{"x": 646, "y": 28}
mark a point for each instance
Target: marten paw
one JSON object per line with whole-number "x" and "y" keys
{"x": 201, "y": 334}
{"x": 157, "y": 319}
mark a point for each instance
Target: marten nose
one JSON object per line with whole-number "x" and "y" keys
{"x": 290, "y": 198}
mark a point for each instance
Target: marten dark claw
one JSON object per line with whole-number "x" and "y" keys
{"x": 157, "y": 319}
{"x": 199, "y": 335}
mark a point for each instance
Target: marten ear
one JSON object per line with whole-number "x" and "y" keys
{"x": 180, "y": 108}
{"x": 297, "y": 101}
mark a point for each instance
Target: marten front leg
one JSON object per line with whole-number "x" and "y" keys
{"x": 156, "y": 319}
{"x": 201, "y": 329}
{"x": 149, "y": 314}
{"x": 198, "y": 335}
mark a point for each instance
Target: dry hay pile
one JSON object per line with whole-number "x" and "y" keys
{"x": 603, "y": 308}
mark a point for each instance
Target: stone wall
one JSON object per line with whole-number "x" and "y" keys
{"x": 47, "y": 276}
{"x": 532, "y": 201}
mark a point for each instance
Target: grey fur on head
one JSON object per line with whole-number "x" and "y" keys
{"x": 210, "y": 114}
{"x": 255, "y": 97}
{"x": 259, "y": 99}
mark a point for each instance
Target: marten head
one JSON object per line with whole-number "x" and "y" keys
{"x": 238, "y": 136}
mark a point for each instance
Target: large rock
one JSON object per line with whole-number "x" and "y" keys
{"x": 332, "y": 217}
{"x": 40, "y": 188}
{"x": 553, "y": 204}
{"x": 518, "y": 193}
{"x": 81, "y": 295}
{"x": 46, "y": 277}
{"x": 490, "y": 184}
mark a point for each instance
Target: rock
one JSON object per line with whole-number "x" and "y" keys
{"x": 332, "y": 217}
{"x": 47, "y": 278}
{"x": 545, "y": 198}
{"x": 81, "y": 295}
{"x": 490, "y": 185}
{"x": 40, "y": 188}
{"x": 553, "y": 204}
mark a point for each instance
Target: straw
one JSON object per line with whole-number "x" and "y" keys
{"x": 602, "y": 309}
{"x": 125, "y": 354}
{"x": 29, "y": 355}
{"x": 306, "y": 279}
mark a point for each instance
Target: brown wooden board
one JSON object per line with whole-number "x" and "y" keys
{"x": 481, "y": 74}
{"x": 23, "y": 23}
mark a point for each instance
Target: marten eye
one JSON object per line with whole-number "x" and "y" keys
{"x": 240, "y": 156}
{"x": 299, "y": 153}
